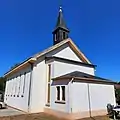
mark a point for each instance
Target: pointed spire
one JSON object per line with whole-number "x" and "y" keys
{"x": 60, "y": 20}
{"x": 61, "y": 31}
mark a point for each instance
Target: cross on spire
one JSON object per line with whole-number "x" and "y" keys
{"x": 60, "y": 9}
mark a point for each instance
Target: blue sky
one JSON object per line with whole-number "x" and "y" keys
{"x": 26, "y": 28}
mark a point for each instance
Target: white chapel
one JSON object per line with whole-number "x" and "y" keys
{"x": 59, "y": 80}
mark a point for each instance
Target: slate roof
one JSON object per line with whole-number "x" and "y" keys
{"x": 82, "y": 75}
{"x": 60, "y": 21}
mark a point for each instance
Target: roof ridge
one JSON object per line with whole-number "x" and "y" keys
{"x": 49, "y": 48}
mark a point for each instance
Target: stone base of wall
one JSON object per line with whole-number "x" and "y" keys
{"x": 73, "y": 116}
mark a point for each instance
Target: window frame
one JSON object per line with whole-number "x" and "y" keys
{"x": 61, "y": 100}
{"x": 48, "y": 84}
{"x": 58, "y": 93}
{"x": 63, "y": 93}
{"x": 24, "y": 82}
{"x": 19, "y": 84}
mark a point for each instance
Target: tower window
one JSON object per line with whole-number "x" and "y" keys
{"x": 64, "y": 35}
{"x": 55, "y": 37}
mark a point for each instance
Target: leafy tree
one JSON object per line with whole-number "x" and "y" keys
{"x": 2, "y": 83}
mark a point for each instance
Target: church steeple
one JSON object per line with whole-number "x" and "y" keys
{"x": 61, "y": 31}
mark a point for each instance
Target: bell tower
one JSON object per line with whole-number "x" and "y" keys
{"x": 61, "y": 31}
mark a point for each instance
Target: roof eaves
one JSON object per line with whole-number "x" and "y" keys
{"x": 93, "y": 79}
{"x": 62, "y": 78}
{"x": 66, "y": 29}
{"x": 86, "y": 79}
{"x": 70, "y": 61}
{"x": 31, "y": 60}
{"x": 79, "y": 52}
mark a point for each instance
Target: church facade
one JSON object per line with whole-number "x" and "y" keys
{"x": 59, "y": 81}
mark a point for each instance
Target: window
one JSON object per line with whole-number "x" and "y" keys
{"x": 19, "y": 84}
{"x": 49, "y": 72}
{"x": 14, "y": 86}
{"x": 24, "y": 82}
{"x": 48, "y": 86}
{"x": 60, "y": 93}
{"x": 63, "y": 93}
{"x": 7, "y": 87}
{"x": 10, "y": 86}
{"x": 64, "y": 35}
{"x": 55, "y": 37}
{"x": 48, "y": 97}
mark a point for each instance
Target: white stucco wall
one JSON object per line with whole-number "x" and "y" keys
{"x": 39, "y": 84}
{"x": 38, "y": 89}
{"x": 38, "y": 94}
{"x": 15, "y": 87}
{"x": 67, "y": 53}
{"x": 59, "y": 106}
{"x": 79, "y": 96}
{"x": 39, "y": 81}
{"x": 101, "y": 95}
{"x": 64, "y": 52}
{"x": 61, "y": 68}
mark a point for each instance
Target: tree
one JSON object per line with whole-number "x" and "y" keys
{"x": 2, "y": 83}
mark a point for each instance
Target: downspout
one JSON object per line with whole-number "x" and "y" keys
{"x": 89, "y": 101}
{"x": 70, "y": 94}
{"x": 29, "y": 94}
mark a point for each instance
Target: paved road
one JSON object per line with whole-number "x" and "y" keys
{"x": 9, "y": 112}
